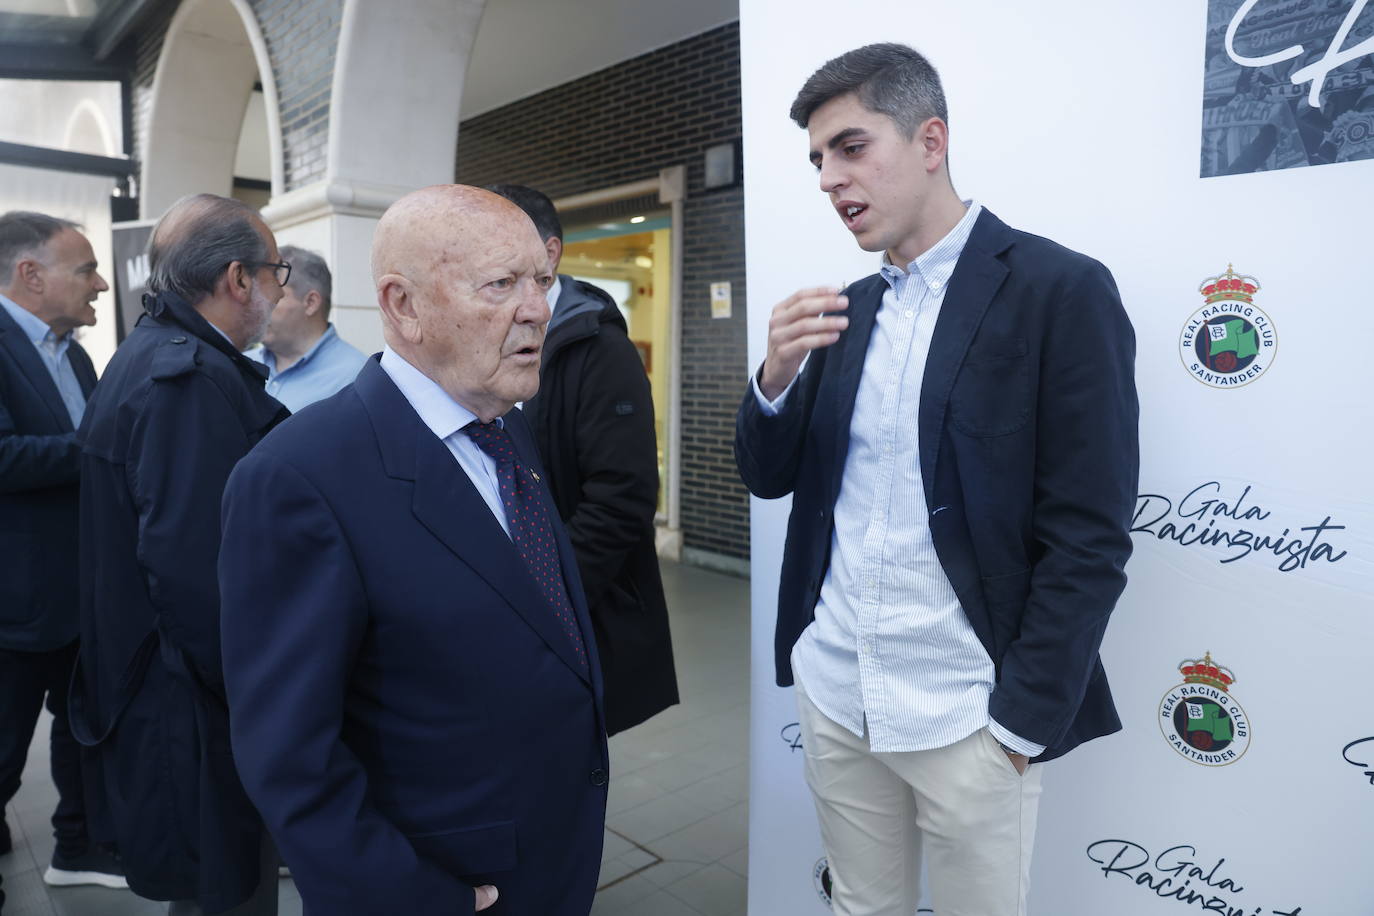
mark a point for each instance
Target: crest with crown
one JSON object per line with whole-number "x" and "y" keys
{"x": 1206, "y": 671}
{"x": 1230, "y": 286}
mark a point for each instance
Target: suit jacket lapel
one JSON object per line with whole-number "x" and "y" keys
{"x": 976, "y": 279}
{"x": 31, "y": 367}
{"x": 865, "y": 298}
{"x": 447, "y": 503}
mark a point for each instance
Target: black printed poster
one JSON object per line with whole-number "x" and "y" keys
{"x": 1288, "y": 83}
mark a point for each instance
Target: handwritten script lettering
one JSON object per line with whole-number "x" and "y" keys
{"x": 1315, "y": 72}
{"x": 791, "y": 736}
{"x": 1175, "y": 874}
{"x": 1355, "y": 754}
{"x": 1205, "y": 517}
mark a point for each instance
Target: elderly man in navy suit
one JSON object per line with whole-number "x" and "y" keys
{"x": 413, "y": 688}
{"x": 958, "y": 432}
{"x": 48, "y": 280}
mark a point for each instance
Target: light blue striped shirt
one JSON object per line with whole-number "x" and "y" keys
{"x": 891, "y": 647}
{"x": 446, "y": 418}
{"x": 52, "y": 350}
{"x": 326, "y": 367}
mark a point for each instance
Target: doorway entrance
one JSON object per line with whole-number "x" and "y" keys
{"x": 630, "y": 257}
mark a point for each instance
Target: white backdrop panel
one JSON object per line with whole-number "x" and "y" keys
{"x": 1082, "y": 122}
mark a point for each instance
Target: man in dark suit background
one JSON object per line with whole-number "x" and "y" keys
{"x": 176, "y": 407}
{"x": 593, "y": 422}
{"x": 958, "y": 433}
{"x": 48, "y": 282}
{"x": 412, "y": 681}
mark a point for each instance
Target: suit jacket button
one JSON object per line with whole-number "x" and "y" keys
{"x": 598, "y": 777}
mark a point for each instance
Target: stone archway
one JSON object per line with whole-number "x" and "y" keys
{"x": 213, "y": 54}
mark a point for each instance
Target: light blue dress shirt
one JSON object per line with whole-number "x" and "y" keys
{"x": 326, "y": 367}
{"x": 52, "y": 350}
{"x": 891, "y": 647}
{"x": 446, "y": 418}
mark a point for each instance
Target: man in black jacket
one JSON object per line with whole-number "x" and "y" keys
{"x": 48, "y": 280}
{"x": 177, "y": 407}
{"x": 593, "y": 421}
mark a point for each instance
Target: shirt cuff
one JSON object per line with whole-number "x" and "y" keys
{"x": 1018, "y": 744}
{"x": 771, "y": 408}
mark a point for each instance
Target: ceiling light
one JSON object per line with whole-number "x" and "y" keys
{"x": 644, "y": 262}
{"x": 637, "y": 219}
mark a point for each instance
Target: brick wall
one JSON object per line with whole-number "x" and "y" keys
{"x": 302, "y": 37}
{"x": 623, "y": 124}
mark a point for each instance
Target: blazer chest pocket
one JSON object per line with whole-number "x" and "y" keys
{"x": 991, "y": 395}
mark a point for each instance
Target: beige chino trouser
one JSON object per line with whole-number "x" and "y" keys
{"x": 962, "y": 808}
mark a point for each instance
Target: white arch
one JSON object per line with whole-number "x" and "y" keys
{"x": 87, "y": 111}
{"x": 210, "y": 59}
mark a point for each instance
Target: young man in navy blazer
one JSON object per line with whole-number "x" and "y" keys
{"x": 958, "y": 433}
{"x": 413, "y": 687}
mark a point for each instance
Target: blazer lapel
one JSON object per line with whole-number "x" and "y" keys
{"x": 865, "y": 298}
{"x": 447, "y": 503}
{"x": 31, "y": 367}
{"x": 976, "y": 279}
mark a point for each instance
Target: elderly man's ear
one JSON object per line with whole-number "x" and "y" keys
{"x": 396, "y": 298}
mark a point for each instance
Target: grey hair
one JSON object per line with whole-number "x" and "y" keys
{"x": 197, "y": 239}
{"x": 309, "y": 271}
{"x": 890, "y": 79}
{"x": 23, "y": 233}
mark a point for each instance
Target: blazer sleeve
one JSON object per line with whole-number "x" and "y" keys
{"x": 768, "y": 449}
{"x": 1086, "y": 474}
{"x": 617, "y": 461}
{"x": 294, "y": 614}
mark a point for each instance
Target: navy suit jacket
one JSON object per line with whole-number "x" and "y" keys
{"x": 1028, "y": 453}
{"x": 40, "y": 472}
{"x": 405, "y": 710}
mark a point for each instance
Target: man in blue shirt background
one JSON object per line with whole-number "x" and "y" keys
{"x": 306, "y": 358}
{"x": 48, "y": 280}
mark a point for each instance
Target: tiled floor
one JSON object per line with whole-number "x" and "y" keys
{"x": 677, "y": 821}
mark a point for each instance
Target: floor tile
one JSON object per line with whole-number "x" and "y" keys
{"x": 713, "y": 891}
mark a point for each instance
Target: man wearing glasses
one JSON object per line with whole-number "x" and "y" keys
{"x": 177, "y": 407}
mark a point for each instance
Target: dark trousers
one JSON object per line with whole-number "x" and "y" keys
{"x": 25, "y": 679}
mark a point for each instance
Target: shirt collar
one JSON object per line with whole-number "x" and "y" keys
{"x": 442, "y": 414}
{"x": 34, "y": 328}
{"x": 936, "y": 265}
{"x": 554, "y": 292}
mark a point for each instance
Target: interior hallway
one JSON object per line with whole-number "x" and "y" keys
{"x": 677, "y": 819}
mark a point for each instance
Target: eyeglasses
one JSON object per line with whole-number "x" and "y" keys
{"x": 283, "y": 270}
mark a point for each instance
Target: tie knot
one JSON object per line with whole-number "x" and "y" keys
{"x": 491, "y": 439}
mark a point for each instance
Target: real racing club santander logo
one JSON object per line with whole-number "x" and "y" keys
{"x": 1200, "y": 719}
{"x": 1230, "y": 341}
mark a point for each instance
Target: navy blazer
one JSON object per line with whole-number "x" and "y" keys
{"x": 1028, "y": 453}
{"x": 405, "y": 710}
{"x": 40, "y": 472}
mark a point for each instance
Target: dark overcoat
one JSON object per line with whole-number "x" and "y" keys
{"x": 177, "y": 407}
{"x": 1028, "y": 455}
{"x": 39, "y": 474}
{"x": 593, "y": 421}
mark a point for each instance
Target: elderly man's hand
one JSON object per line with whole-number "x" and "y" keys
{"x": 486, "y": 896}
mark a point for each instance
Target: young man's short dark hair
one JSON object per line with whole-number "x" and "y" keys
{"x": 889, "y": 78}
{"x": 536, "y": 205}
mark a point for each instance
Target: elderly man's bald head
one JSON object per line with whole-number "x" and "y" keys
{"x": 433, "y": 225}
{"x": 461, "y": 275}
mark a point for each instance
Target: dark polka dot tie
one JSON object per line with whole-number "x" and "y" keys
{"x": 530, "y": 528}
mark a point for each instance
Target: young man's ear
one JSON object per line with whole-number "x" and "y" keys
{"x": 934, "y": 136}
